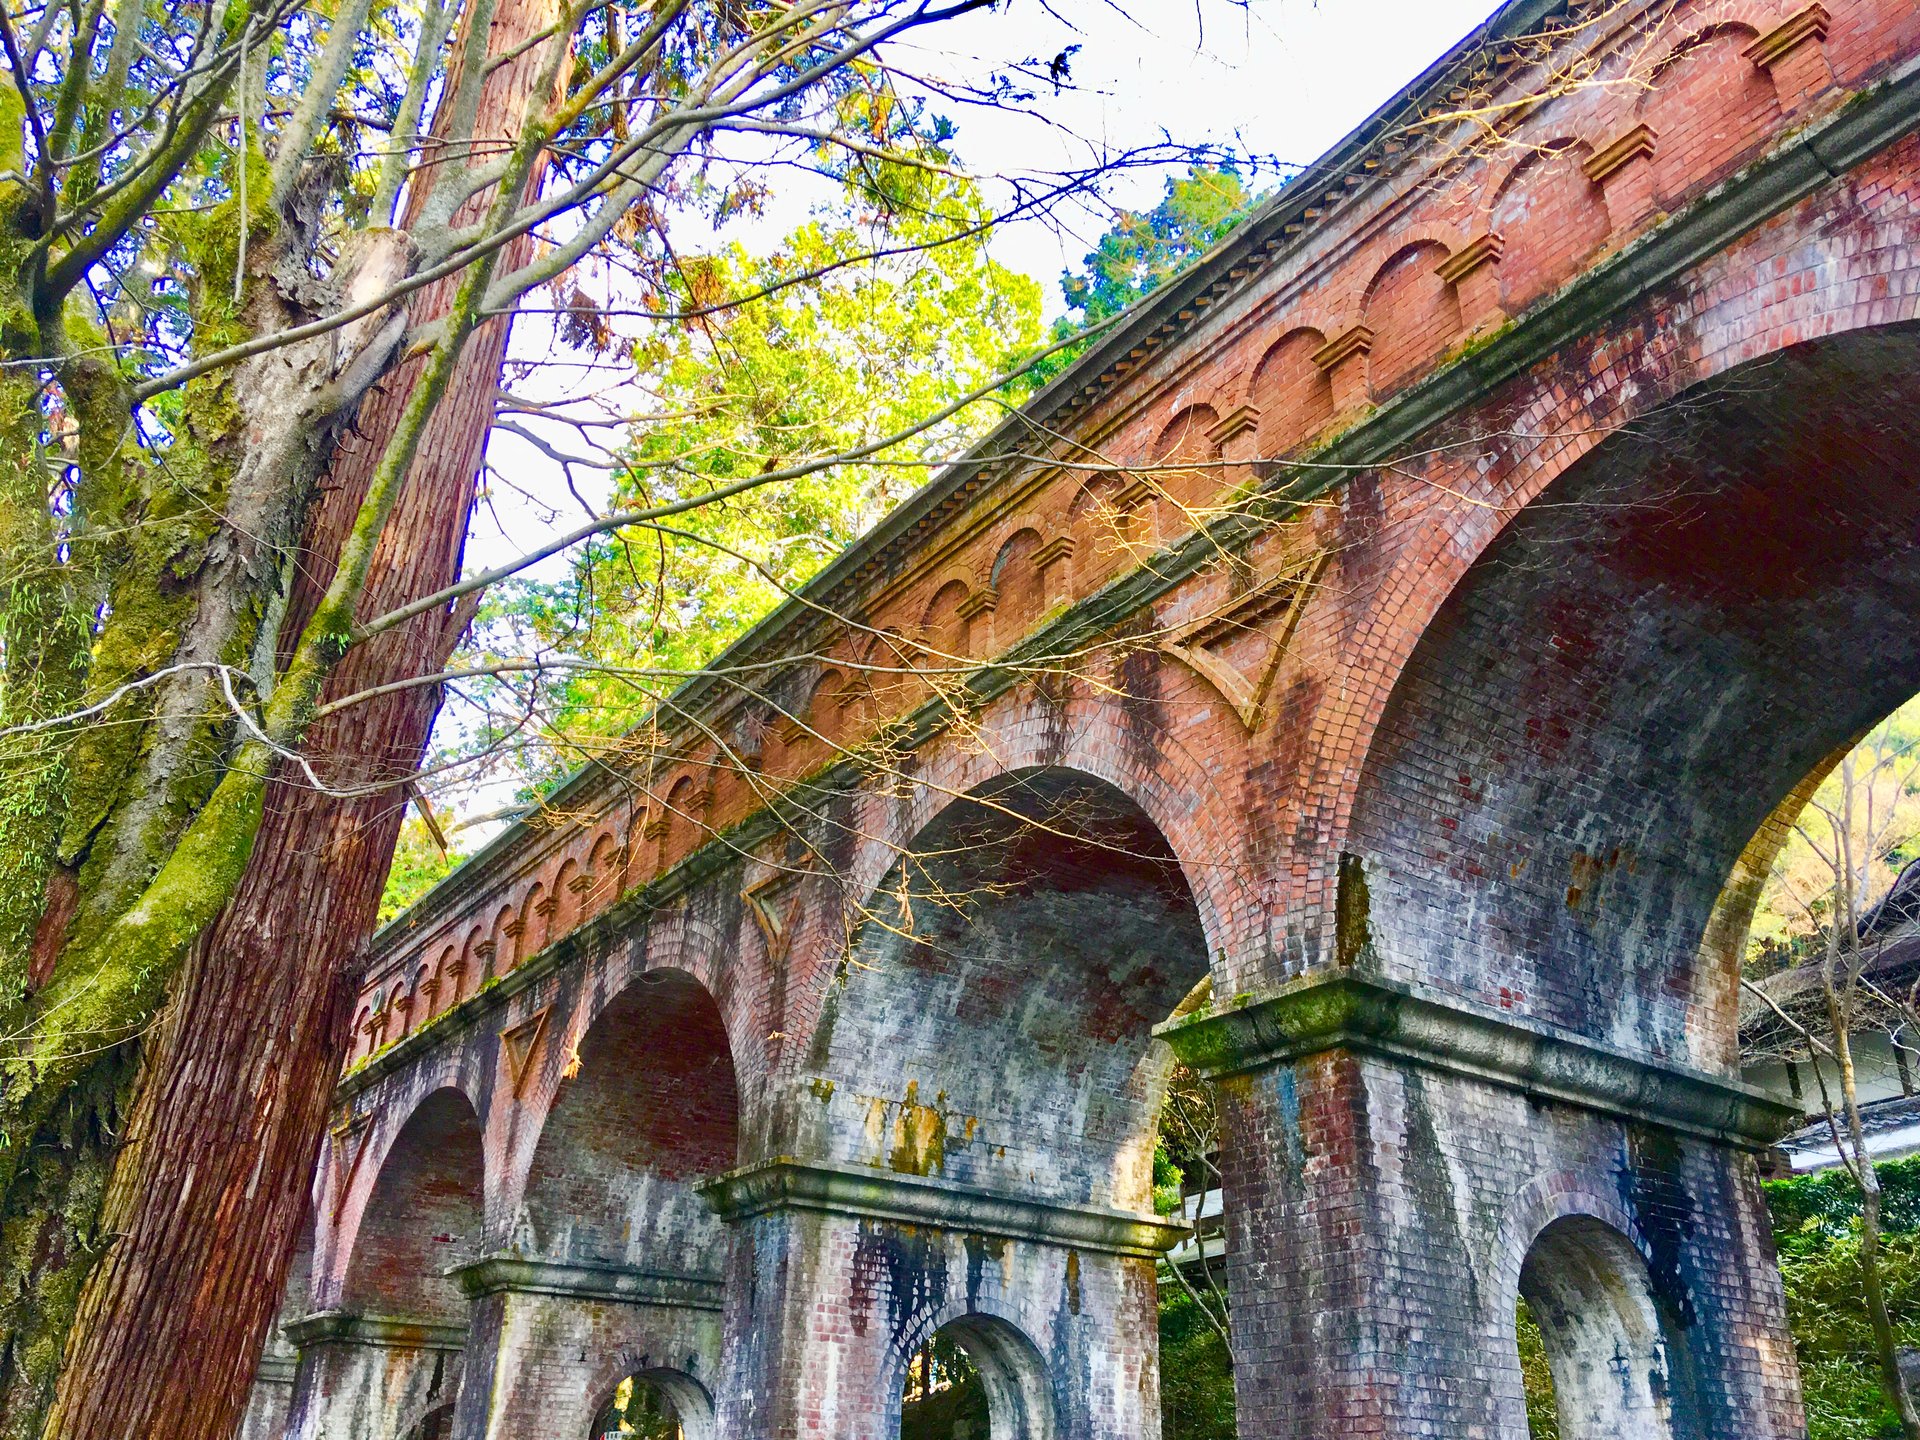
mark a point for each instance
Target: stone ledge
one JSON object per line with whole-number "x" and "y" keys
{"x": 506, "y": 1273}
{"x": 386, "y": 1332}
{"x": 276, "y": 1370}
{"x": 1375, "y": 1017}
{"x": 789, "y": 1184}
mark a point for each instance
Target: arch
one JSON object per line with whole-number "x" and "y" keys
{"x": 1699, "y": 560}
{"x": 1552, "y": 219}
{"x": 1413, "y": 313}
{"x": 533, "y": 922}
{"x": 446, "y": 981}
{"x": 471, "y": 967}
{"x": 504, "y": 941}
{"x": 1101, "y": 519}
{"x": 648, "y": 1105}
{"x": 1012, "y": 1376}
{"x": 1774, "y": 290}
{"x": 423, "y": 1215}
{"x": 1041, "y": 925}
{"x": 1186, "y": 440}
{"x": 823, "y": 714}
{"x": 605, "y": 862}
{"x": 891, "y": 662}
{"x": 692, "y": 1405}
{"x": 1016, "y": 580}
{"x": 1588, "y": 1289}
{"x": 684, "y": 814}
{"x": 943, "y": 625}
{"x": 1294, "y": 395}
{"x": 566, "y": 898}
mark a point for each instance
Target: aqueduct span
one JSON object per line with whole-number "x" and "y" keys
{"x": 1574, "y": 453}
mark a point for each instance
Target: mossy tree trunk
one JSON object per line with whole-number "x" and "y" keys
{"x": 239, "y": 1075}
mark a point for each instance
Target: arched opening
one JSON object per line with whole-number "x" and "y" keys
{"x": 649, "y": 1108}
{"x": 992, "y": 1031}
{"x": 976, "y": 1378}
{"x": 655, "y": 1404}
{"x": 423, "y": 1219}
{"x": 1041, "y": 926}
{"x": 1586, "y": 738}
{"x": 1631, "y": 677}
{"x": 1586, "y": 1292}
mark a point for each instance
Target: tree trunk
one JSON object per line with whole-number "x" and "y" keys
{"x": 211, "y": 1186}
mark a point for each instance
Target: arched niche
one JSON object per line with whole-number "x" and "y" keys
{"x": 1293, "y": 395}
{"x": 649, "y": 1107}
{"x": 423, "y": 1219}
{"x": 943, "y": 626}
{"x": 1413, "y": 313}
{"x": 1551, "y": 218}
{"x": 1707, "y": 105}
{"x": 1187, "y": 473}
{"x": 1016, "y": 581}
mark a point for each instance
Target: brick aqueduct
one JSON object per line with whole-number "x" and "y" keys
{"x": 1582, "y": 444}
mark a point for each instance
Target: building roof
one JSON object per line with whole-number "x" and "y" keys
{"x": 1887, "y": 941}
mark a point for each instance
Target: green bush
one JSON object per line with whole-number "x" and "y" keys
{"x": 1196, "y": 1372}
{"x": 1816, "y": 1220}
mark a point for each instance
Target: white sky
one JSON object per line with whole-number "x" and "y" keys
{"x": 1280, "y": 79}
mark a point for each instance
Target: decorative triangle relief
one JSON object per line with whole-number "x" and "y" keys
{"x": 1237, "y": 647}
{"x": 350, "y": 1135}
{"x": 518, "y": 1045}
{"x": 773, "y": 904}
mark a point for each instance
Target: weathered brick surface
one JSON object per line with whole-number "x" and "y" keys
{"x": 1492, "y": 721}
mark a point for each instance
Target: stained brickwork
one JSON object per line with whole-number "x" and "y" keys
{"x": 1587, "y": 450}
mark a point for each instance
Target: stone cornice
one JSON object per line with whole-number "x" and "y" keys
{"x": 1809, "y": 158}
{"x": 385, "y": 1332}
{"x": 1345, "y": 1011}
{"x": 507, "y": 1273}
{"x": 870, "y": 1194}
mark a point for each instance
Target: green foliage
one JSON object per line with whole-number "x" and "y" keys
{"x": 1543, "y": 1416}
{"x": 1141, "y": 251}
{"x": 1812, "y": 1212}
{"x": 1196, "y": 1372}
{"x": 817, "y": 349}
{"x": 418, "y": 865}
{"x": 1816, "y": 1227}
{"x": 1167, "y": 1180}
{"x": 1145, "y": 249}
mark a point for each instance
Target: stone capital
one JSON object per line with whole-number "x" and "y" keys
{"x": 1345, "y": 1011}
{"x": 382, "y": 1332}
{"x": 507, "y": 1273}
{"x": 785, "y": 1183}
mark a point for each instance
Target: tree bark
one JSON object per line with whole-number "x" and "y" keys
{"x": 210, "y": 1188}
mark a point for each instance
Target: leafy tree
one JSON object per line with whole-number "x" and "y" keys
{"x": 1144, "y": 250}
{"x": 865, "y": 324}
